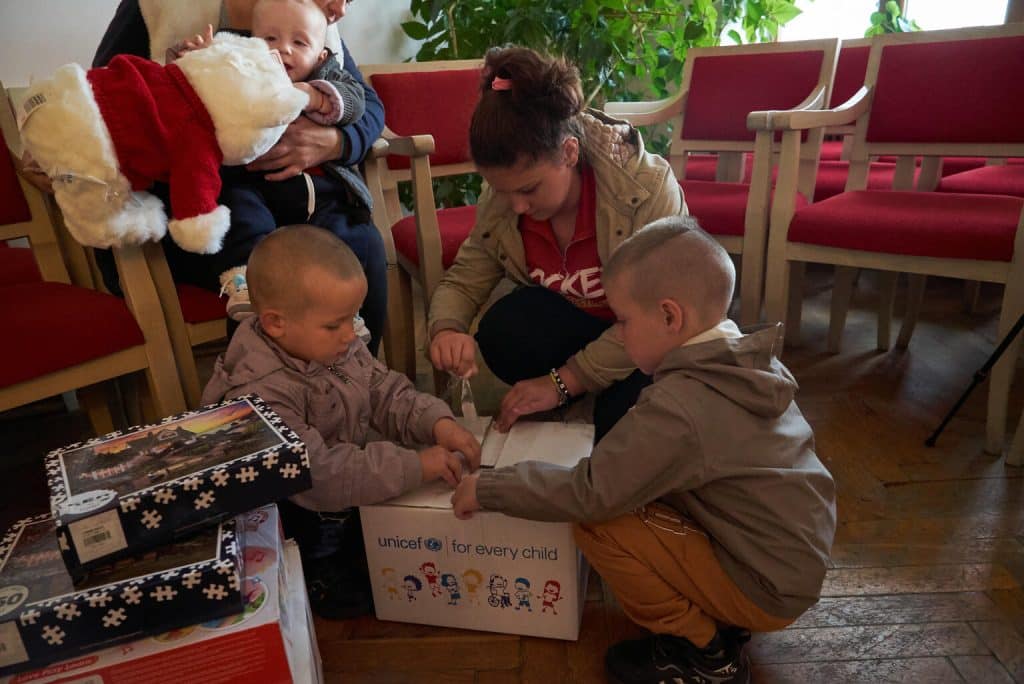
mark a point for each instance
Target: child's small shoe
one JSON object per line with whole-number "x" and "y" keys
{"x": 337, "y": 590}
{"x": 667, "y": 658}
{"x": 233, "y": 284}
{"x": 362, "y": 332}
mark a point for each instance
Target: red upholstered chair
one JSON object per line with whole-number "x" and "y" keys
{"x": 923, "y": 233}
{"x": 720, "y": 87}
{"x": 428, "y": 107}
{"x": 997, "y": 179}
{"x": 193, "y": 316}
{"x": 61, "y": 337}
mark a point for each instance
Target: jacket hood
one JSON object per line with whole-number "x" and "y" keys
{"x": 252, "y": 356}
{"x": 744, "y": 370}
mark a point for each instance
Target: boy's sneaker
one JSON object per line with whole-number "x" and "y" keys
{"x": 362, "y": 332}
{"x": 665, "y": 659}
{"x": 233, "y": 284}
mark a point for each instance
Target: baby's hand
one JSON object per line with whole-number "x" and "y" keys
{"x": 464, "y": 500}
{"x": 438, "y": 462}
{"x": 196, "y": 42}
{"x": 451, "y": 435}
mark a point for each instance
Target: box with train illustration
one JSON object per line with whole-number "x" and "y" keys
{"x": 492, "y": 572}
{"x": 44, "y": 617}
{"x": 124, "y": 492}
{"x": 270, "y": 640}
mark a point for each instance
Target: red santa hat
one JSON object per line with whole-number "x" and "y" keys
{"x": 160, "y": 129}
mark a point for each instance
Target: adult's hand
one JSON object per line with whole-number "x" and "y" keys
{"x": 33, "y": 173}
{"x": 304, "y": 144}
{"x": 455, "y": 352}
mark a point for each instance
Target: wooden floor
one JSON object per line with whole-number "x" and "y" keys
{"x": 928, "y": 563}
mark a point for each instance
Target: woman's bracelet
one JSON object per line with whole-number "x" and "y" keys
{"x": 563, "y": 391}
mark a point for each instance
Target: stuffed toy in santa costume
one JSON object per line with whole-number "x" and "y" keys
{"x": 106, "y": 135}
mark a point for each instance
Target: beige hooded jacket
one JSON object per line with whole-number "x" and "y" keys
{"x": 634, "y": 188}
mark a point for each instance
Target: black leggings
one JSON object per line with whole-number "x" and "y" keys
{"x": 532, "y": 330}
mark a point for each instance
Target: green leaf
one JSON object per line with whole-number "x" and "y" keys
{"x": 415, "y": 30}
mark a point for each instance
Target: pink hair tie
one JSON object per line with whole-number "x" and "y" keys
{"x": 500, "y": 83}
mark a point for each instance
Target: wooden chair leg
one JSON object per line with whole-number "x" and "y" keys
{"x": 1015, "y": 456}
{"x": 1002, "y": 373}
{"x": 972, "y": 296}
{"x": 795, "y": 306}
{"x": 886, "y": 297}
{"x": 400, "y": 337}
{"x": 915, "y": 299}
{"x": 94, "y": 400}
{"x": 775, "y": 293}
{"x": 842, "y": 291}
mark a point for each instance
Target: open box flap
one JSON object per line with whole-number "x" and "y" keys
{"x": 559, "y": 443}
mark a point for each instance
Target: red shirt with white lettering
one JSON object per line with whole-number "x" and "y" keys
{"x": 576, "y": 274}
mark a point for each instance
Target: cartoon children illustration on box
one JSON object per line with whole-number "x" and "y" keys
{"x": 499, "y": 597}
{"x": 472, "y": 579}
{"x": 429, "y": 571}
{"x": 412, "y": 584}
{"x": 522, "y": 593}
{"x": 390, "y": 583}
{"x": 552, "y": 594}
{"x": 449, "y": 582}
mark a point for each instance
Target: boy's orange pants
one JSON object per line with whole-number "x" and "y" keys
{"x": 666, "y": 577}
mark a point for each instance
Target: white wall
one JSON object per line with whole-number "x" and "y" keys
{"x": 37, "y": 36}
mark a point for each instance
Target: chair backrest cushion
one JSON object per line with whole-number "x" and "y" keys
{"x": 725, "y": 88}
{"x": 13, "y": 207}
{"x": 439, "y": 103}
{"x": 951, "y": 91}
{"x": 850, "y": 70}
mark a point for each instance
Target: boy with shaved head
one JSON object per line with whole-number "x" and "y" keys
{"x": 301, "y": 354}
{"x": 705, "y": 508}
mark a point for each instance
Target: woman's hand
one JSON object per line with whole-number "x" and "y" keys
{"x": 455, "y": 352}
{"x": 526, "y": 397}
{"x": 303, "y": 145}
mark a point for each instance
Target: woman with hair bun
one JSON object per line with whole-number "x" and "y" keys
{"x": 564, "y": 187}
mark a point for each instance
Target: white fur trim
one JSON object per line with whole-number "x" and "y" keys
{"x": 247, "y": 93}
{"x": 169, "y": 21}
{"x": 202, "y": 234}
{"x": 69, "y": 139}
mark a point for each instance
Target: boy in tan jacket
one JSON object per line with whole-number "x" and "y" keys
{"x": 705, "y": 509}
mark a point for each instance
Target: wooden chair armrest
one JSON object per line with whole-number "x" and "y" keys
{"x": 648, "y": 112}
{"x": 800, "y": 119}
{"x": 409, "y": 145}
{"x": 378, "y": 150}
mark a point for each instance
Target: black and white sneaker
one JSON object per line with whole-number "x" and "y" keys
{"x": 667, "y": 659}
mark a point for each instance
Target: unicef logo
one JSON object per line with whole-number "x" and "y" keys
{"x": 433, "y": 544}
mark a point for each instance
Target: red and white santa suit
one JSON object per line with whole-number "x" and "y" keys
{"x": 106, "y": 135}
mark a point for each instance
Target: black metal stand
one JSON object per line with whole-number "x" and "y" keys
{"x": 979, "y": 376}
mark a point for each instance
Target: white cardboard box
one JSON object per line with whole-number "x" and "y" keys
{"x": 492, "y": 572}
{"x": 271, "y": 642}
